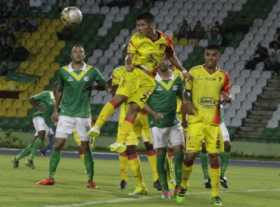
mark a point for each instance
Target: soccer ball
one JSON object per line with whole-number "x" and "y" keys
{"x": 71, "y": 15}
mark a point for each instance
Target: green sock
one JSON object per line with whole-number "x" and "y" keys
{"x": 89, "y": 164}
{"x": 23, "y": 153}
{"x": 224, "y": 162}
{"x": 54, "y": 160}
{"x": 38, "y": 143}
{"x": 178, "y": 160}
{"x": 161, "y": 170}
{"x": 204, "y": 164}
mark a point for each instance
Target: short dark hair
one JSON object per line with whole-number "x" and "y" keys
{"x": 78, "y": 45}
{"x": 213, "y": 47}
{"x": 148, "y": 17}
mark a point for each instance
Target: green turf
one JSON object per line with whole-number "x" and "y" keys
{"x": 250, "y": 187}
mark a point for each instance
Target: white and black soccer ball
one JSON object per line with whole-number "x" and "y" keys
{"x": 71, "y": 15}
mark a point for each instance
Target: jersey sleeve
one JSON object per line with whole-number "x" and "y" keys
{"x": 115, "y": 78}
{"x": 99, "y": 78}
{"x": 58, "y": 80}
{"x": 39, "y": 96}
{"x": 226, "y": 86}
{"x": 132, "y": 48}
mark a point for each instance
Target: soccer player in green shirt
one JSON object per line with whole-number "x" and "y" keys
{"x": 74, "y": 83}
{"x": 43, "y": 104}
{"x": 165, "y": 127}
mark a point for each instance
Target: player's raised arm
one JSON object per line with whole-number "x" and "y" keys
{"x": 171, "y": 55}
{"x": 225, "y": 94}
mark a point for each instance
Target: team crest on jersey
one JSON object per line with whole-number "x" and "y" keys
{"x": 86, "y": 78}
{"x": 70, "y": 79}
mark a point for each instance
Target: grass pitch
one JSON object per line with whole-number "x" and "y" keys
{"x": 249, "y": 187}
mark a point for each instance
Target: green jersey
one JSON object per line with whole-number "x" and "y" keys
{"x": 164, "y": 100}
{"x": 76, "y": 86}
{"x": 46, "y": 101}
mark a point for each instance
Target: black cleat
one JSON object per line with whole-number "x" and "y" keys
{"x": 207, "y": 183}
{"x": 15, "y": 163}
{"x": 123, "y": 184}
{"x": 224, "y": 182}
{"x": 30, "y": 164}
{"x": 157, "y": 185}
{"x": 217, "y": 201}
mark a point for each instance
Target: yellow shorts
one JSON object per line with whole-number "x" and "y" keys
{"x": 137, "y": 86}
{"x": 201, "y": 132}
{"x": 141, "y": 128}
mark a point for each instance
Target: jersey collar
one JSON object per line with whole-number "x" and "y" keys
{"x": 71, "y": 69}
{"x": 167, "y": 86}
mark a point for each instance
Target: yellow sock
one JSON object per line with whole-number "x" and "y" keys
{"x": 135, "y": 167}
{"x": 76, "y": 137}
{"x": 187, "y": 170}
{"x": 153, "y": 164}
{"x": 123, "y": 167}
{"x": 215, "y": 181}
{"x": 106, "y": 112}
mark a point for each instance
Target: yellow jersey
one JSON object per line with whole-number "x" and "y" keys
{"x": 118, "y": 75}
{"x": 148, "y": 54}
{"x": 206, "y": 92}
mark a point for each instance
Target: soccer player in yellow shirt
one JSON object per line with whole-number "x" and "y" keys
{"x": 147, "y": 48}
{"x": 142, "y": 130}
{"x": 209, "y": 85}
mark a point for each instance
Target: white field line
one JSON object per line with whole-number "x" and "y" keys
{"x": 137, "y": 199}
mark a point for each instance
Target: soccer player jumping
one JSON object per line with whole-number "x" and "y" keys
{"x": 147, "y": 48}
{"x": 74, "y": 83}
{"x": 209, "y": 85}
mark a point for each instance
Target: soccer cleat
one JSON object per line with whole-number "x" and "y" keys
{"x": 224, "y": 182}
{"x": 15, "y": 163}
{"x": 43, "y": 152}
{"x": 46, "y": 181}
{"x": 94, "y": 132}
{"x": 207, "y": 183}
{"x": 123, "y": 184}
{"x": 91, "y": 185}
{"x": 139, "y": 191}
{"x": 157, "y": 185}
{"x": 180, "y": 195}
{"x": 217, "y": 201}
{"x": 117, "y": 147}
{"x": 166, "y": 195}
{"x": 30, "y": 164}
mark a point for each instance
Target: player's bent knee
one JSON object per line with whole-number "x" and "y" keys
{"x": 117, "y": 100}
{"x": 189, "y": 159}
{"x": 214, "y": 160}
{"x": 59, "y": 143}
{"x": 85, "y": 145}
{"x": 149, "y": 146}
